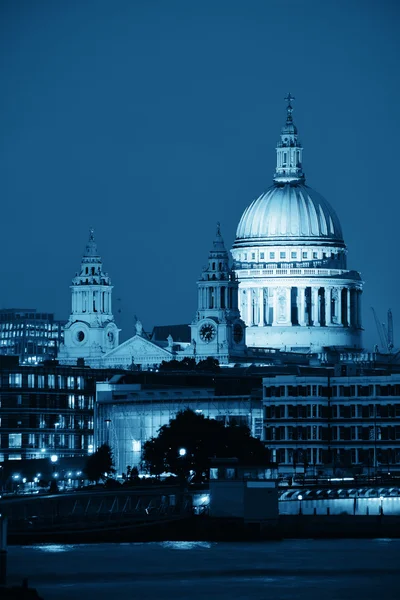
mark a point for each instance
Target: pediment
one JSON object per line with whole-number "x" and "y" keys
{"x": 138, "y": 346}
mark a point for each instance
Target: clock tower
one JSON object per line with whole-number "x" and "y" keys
{"x": 218, "y": 330}
{"x": 90, "y": 331}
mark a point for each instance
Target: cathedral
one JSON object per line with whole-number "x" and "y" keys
{"x": 288, "y": 289}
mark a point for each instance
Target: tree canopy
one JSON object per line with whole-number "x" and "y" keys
{"x": 100, "y": 464}
{"x": 189, "y": 364}
{"x": 190, "y": 440}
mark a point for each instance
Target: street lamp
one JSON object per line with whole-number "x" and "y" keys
{"x": 108, "y": 422}
{"x": 182, "y": 451}
{"x": 300, "y": 498}
{"x": 55, "y": 435}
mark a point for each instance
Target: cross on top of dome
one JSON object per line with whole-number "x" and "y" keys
{"x": 289, "y": 107}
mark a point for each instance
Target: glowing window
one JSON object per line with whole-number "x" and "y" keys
{"x": 15, "y": 440}
{"x": 15, "y": 379}
{"x": 136, "y": 445}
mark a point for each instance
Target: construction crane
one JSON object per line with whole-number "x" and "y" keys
{"x": 385, "y": 332}
{"x": 390, "y": 331}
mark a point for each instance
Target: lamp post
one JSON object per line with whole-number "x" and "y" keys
{"x": 55, "y": 436}
{"x": 107, "y": 422}
{"x": 300, "y": 498}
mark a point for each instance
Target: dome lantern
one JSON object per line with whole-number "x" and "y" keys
{"x": 289, "y": 152}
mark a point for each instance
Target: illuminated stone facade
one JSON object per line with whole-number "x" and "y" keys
{"x": 90, "y": 331}
{"x": 296, "y": 292}
{"x": 289, "y": 288}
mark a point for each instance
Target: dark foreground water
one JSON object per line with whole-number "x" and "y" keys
{"x": 291, "y": 569}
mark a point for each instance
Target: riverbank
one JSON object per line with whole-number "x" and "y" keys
{"x": 206, "y": 528}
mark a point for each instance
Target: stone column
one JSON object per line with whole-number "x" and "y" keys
{"x": 249, "y": 306}
{"x": 314, "y": 305}
{"x": 301, "y": 305}
{"x": 358, "y": 298}
{"x": 328, "y": 306}
{"x": 339, "y": 306}
{"x": 255, "y": 307}
{"x": 266, "y": 306}
{"x": 261, "y": 304}
{"x": 274, "y": 307}
{"x": 348, "y": 307}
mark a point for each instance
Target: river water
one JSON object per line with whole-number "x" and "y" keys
{"x": 277, "y": 570}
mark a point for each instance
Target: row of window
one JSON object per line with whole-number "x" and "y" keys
{"x": 339, "y": 456}
{"x": 42, "y": 441}
{"x": 78, "y": 401}
{"x": 326, "y": 434}
{"x": 27, "y": 334}
{"x": 50, "y": 381}
{"x": 317, "y": 411}
{"x": 34, "y": 326}
{"x": 48, "y": 422}
{"x": 293, "y": 255}
{"x": 333, "y": 391}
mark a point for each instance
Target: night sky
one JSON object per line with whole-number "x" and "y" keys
{"x": 150, "y": 120}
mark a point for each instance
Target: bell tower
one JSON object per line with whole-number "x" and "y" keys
{"x": 90, "y": 331}
{"x": 218, "y": 330}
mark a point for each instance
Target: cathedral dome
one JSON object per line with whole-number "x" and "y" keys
{"x": 289, "y": 212}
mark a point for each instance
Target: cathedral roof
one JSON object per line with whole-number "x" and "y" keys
{"x": 287, "y": 213}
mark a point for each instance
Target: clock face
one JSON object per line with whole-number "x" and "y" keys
{"x": 207, "y": 332}
{"x": 237, "y": 333}
{"x": 80, "y": 336}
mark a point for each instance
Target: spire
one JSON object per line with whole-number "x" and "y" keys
{"x": 289, "y": 108}
{"x": 289, "y": 150}
{"x": 218, "y": 244}
{"x": 91, "y": 246}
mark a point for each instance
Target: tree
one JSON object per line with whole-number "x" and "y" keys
{"x": 190, "y": 440}
{"x": 132, "y": 476}
{"x": 100, "y": 463}
{"x": 186, "y": 364}
{"x": 208, "y": 364}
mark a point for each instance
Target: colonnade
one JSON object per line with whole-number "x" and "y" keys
{"x": 301, "y": 305}
{"x": 217, "y": 297}
{"x": 86, "y": 301}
